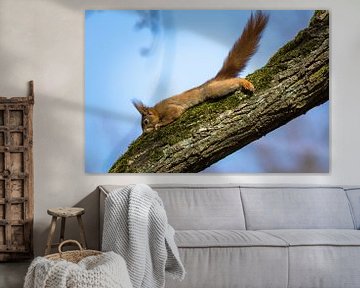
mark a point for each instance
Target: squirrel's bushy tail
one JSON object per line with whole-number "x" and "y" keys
{"x": 244, "y": 47}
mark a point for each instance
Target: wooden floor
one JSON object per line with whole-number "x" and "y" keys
{"x": 12, "y": 274}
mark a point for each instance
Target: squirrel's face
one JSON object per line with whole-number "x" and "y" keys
{"x": 149, "y": 117}
{"x": 149, "y": 121}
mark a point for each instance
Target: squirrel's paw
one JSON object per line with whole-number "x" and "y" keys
{"x": 247, "y": 85}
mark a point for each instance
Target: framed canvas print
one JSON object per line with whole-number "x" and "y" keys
{"x": 225, "y": 91}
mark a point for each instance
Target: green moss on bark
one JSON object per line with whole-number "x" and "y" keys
{"x": 301, "y": 45}
{"x": 324, "y": 71}
{"x": 175, "y": 132}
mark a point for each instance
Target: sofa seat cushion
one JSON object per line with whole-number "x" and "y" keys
{"x": 317, "y": 237}
{"x": 226, "y": 238}
{"x": 322, "y": 258}
{"x": 231, "y": 258}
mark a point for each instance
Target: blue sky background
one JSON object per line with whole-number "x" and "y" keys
{"x": 152, "y": 55}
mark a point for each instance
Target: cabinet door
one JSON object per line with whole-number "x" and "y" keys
{"x": 16, "y": 197}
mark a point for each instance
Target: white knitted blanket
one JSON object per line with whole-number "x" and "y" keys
{"x": 107, "y": 270}
{"x": 136, "y": 227}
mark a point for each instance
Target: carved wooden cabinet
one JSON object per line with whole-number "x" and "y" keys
{"x": 16, "y": 177}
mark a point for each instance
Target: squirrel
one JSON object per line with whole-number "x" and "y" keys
{"x": 225, "y": 81}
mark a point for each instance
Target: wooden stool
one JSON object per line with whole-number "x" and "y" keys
{"x": 64, "y": 213}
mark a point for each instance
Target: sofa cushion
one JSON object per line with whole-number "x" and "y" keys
{"x": 324, "y": 266}
{"x": 226, "y": 238}
{"x": 191, "y": 208}
{"x": 317, "y": 237}
{"x": 296, "y": 208}
{"x": 354, "y": 198}
{"x": 327, "y": 258}
{"x": 199, "y": 207}
{"x": 217, "y": 267}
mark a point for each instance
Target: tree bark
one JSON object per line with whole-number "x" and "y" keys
{"x": 295, "y": 80}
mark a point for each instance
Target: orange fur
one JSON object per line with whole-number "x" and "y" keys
{"x": 225, "y": 81}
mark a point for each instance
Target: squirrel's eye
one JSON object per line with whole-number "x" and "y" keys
{"x": 146, "y": 121}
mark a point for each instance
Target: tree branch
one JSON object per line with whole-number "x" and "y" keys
{"x": 295, "y": 80}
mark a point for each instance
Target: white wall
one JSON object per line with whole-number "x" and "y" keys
{"x": 43, "y": 40}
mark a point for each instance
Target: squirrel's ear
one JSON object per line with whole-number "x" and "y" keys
{"x": 140, "y": 107}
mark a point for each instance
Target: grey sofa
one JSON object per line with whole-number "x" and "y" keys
{"x": 242, "y": 236}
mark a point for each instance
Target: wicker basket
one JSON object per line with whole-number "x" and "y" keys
{"x": 72, "y": 256}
